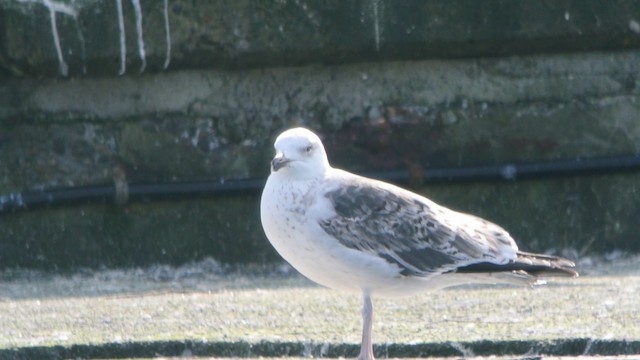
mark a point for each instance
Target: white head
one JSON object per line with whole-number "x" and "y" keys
{"x": 299, "y": 155}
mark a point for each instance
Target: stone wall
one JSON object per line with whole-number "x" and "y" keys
{"x": 193, "y": 91}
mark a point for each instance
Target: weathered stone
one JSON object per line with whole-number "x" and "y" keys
{"x": 216, "y": 116}
{"x": 94, "y": 236}
{"x": 95, "y": 38}
{"x": 594, "y": 214}
{"x": 222, "y": 124}
{"x": 561, "y": 347}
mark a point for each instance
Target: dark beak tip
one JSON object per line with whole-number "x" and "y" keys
{"x": 278, "y": 163}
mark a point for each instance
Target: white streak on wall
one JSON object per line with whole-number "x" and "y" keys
{"x": 62, "y": 65}
{"x": 67, "y": 8}
{"x": 123, "y": 43}
{"x": 55, "y": 7}
{"x": 376, "y": 24}
{"x": 167, "y": 32}
{"x": 138, "y": 14}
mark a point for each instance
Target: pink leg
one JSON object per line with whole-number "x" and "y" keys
{"x": 366, "y": 349}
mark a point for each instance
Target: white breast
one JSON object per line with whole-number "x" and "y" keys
{"x": 290, "y": 214}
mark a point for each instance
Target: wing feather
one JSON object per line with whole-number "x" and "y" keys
{"x": 419, "y": 236}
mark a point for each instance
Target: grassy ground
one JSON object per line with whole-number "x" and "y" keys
{"x": 205, "y": 304}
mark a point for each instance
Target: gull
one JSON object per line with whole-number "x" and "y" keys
{"x": 349, "y": 232}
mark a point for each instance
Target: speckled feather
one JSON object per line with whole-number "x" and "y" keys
{"x": 418, "y": 235}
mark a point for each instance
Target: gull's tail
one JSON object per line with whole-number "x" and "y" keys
{"x": 545, "y": 265}
{"x": 526, "y": 264}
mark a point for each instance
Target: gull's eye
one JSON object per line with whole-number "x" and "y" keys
{"x": 308, "y": 149}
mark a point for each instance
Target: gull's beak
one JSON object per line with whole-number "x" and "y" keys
{"x": 279, "y": 162}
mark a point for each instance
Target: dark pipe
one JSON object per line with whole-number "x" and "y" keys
{"x": 586, "y": 166}
{"x": 521, "y": 171}
{"x": 122, "y": 192}
{"x": 135, "y": 192}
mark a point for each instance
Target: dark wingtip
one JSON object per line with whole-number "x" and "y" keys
{"x": 533, "y": 264}
{"x": 546, "y": 265}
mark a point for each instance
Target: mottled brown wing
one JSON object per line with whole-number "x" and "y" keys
{"x": 419, "y": 236}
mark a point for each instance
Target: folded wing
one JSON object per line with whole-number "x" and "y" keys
{"x": 419, "y": 236}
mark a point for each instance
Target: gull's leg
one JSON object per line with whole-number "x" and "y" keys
{"x": 366, "y": 349}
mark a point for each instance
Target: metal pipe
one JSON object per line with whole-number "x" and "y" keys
{"x": 122, "y": 192}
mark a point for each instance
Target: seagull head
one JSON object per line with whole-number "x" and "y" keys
{"x": 299, "y": 155}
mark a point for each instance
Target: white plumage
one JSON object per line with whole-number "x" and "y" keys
{"x": 352, "y": 233}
